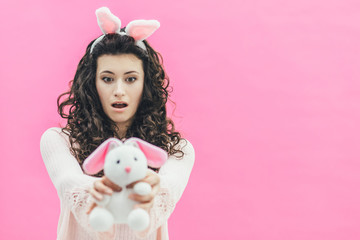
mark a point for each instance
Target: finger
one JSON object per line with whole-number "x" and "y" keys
{"x": 142, "y": 198}
{"x": 155, "y": 189}
{"x": 153, "y": 180}
{"x": 91, "y": 208}
{"x": 110, "y": 184}
{"x": 145, "y": 198}
{"x": 132, "y": 184}
{"x": 152, "y": 177}
{"x": 100, "y": 187}
{"x": 146, "y": 206}
{"x": 98, "y": 196}
{"x": 145, "y": 179}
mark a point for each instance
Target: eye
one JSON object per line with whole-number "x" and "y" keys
{"x": 135, "y": 158}
{"x": 118, "y": 161}
{"x": 107, "y": 79}
{"x": 131, "y": 79}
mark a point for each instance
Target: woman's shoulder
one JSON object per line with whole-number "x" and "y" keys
{"x": 186, "y": 144}
{"x": 53, "y": 131}
{"x": 53, "y": 134}
{"x": 186, "y": 147}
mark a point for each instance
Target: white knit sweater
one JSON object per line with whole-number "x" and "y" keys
{"x": 72, "y": 186}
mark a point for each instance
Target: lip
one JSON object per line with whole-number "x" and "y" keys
{"x": 119, "y": 109}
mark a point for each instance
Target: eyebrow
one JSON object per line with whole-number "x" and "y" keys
{"x": 131, "y": 72}
{"x": 106, "y": 71}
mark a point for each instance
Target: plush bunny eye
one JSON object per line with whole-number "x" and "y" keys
{"x": 135, "y": 158}
{"x": 118, "y": 161}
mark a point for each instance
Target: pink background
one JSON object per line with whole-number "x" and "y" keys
{"x": 267, "y": 91}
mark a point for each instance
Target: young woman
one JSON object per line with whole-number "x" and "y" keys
{"x": 119, "y": 90}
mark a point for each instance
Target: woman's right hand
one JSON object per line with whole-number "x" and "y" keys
{"x": 100, "y": 187}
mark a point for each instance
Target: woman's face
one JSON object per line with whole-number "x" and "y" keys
{"x": 120, "y": 83}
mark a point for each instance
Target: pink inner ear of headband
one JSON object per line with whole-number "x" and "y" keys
{"x": 107, "y": 21}
{"x": 141, "y": 29}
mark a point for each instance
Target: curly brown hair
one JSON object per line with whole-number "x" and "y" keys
{"x": 88, "y": 125}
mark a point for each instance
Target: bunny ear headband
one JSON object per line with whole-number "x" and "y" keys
{"x": 138, "y": 29}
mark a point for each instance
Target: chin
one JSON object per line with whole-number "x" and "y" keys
{"x": 120, "y": 120}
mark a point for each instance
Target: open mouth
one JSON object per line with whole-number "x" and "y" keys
{"x": 119, "y": 105}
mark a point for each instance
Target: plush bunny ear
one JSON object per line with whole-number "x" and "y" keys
{"x": 141, "y": 29}
{"x": 94, "y": 163}
{"x": 156, "y": 157}
{"x": 107, "y": 21}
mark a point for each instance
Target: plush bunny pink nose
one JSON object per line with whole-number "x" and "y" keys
{"x": 128, "y": 169}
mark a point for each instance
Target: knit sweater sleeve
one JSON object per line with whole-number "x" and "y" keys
{"x": 72, "y": 184}
{"x": 174, "y": 176}
{"x": 66, "y": 174}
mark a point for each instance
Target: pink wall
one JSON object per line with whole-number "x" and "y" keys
{"x": 268, "y": 92}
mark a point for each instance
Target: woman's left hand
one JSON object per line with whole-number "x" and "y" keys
{"x": 147, "y": 201}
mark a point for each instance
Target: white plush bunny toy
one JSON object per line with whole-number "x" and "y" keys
{"x": 123, "y": 164}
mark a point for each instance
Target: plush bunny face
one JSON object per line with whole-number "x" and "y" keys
{"x": 125, "y": 164}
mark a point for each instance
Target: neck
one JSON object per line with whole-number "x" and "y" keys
{"x": 121, "y": 131}
{"x": 121, "y": 128}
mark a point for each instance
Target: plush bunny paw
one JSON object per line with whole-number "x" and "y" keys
{"x": 138, "y": 219}
{"x": 101, "y": 219}
{"x": 142, "y": 188}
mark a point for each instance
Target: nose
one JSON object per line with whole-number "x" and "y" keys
{"x": 119, "y": 89}
{"x": 127, "y": 169}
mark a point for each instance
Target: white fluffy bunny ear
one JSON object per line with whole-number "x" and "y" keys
{"x": 107, "y": 21}
{"x": 155, "y": 156}
{"x": 94, "y": 163}
{"x": 142, "y": 29}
